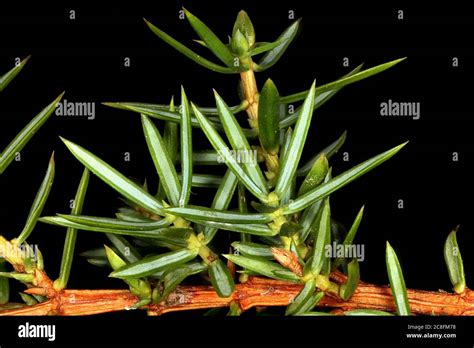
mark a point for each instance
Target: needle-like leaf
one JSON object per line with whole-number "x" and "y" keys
{"x": 220, "y": 146}
{"x": 152, "y": 264}
{"x": 114, "y": 178}
{"x": 303, "y": 296}
{"x": 292, "y": 155}
{"x": 316, "y": 262}
{"x": 253, "y": 249}
{"x": 274, "y": 55}
{"x": 10, "y": 75}
{"x": 4, "y": 284}
{"x": 187, "y": 52}
{"x": 254, "y": 229}
{"x": 328, "y": 151}
{"x": 266, "y": 268}
{"x": 354, "y": 228}
{"x": 221, "y": 200}
{"x": 453, "y": 259}
{"x": 208, "y": 214}
{"x": 339, "y": 181}
{"x": 26, "y": 134}
{"x": 240, "y": 143}
{"x": 38, "y": 203}
{"x": 174, "y": 277}
{"x": 397, "y": 283}
{"x": 161, "y": 159}
{"x": 214, "y": 44}
{"x": 157, "y": 233}
{"x": 349, "y": 238}
{"x": 186, "y": 151}
{"x": 320, "y": 100}
{"x": 174, "y": 117}
{"x": 117, "y": 224}
{"x": 263, "y": 47}
{"x": 124, "y": 248}
{"x": 166, "y": 115}
{"x": 343, "y": 81}
{"x": 71, "y": 234}
{"x": 221, "y": 279}
{"x": 348, "y": 288}
{"x": 204, "y": 180}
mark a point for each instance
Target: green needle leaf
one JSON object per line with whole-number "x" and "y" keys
{"x": 208, "y": 214}
{"x": 349, "y": 238}
{"x": 301, "y": 95}
{"x": 239, "y": 143}
{"x": 164, "y": 233}
{"x": 10, "y": 75}
{"x": 221, "y": 279}
{"x": 339, "y": 181}
{"x": 348, "y": 288}
{"x": 268, "y": 117}
{"x": 4, "y": 285}
{"x": 221, "y": 200}
{"x": 187, "y": 52}
{"x": 153, "y": 264}
{"x": 124, "y": 248}
{"x": 344, "y": 81}
{"x": 114, "y": 178}
{"x": 397, "y": 283}
{"x": 257, "y": 250}
{"x": 302, "y": 298}
{"x": 117, "y": 224}
{"x": 293, "y": 154}
{"x": 137, "y": 286}
{"x": 263, "y": 267}
{"x": 453, "y": 259}
{"x": 186, "y": 151}
{"x": 156, "y": 111}
{"x": 174, "y": 277}
{"x": 322, "y": 238}
{"x": 320, "y": 100}
{"x": 39, "y": 202}
{"x": 220, "y": 146}
{"x": 173, "y": 116}
{"x": 26, "y": 134}
{"x": 274, "y": 55}
{"x": 263, "y": 47}
{"x": 354, "y": 228}
{"x": 204, "y": 180}
{"x": 255, "y": 229}
{"x": 214, "y": 44}
{"x": 328, "y": 151}
{"x": 161, "y": 159}
{"x": 70, "y": 242}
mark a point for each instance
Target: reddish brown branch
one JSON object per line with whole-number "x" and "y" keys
{"x": 255, "y": 292}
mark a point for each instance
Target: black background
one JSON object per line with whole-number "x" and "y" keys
{"x": 85, "y": 57}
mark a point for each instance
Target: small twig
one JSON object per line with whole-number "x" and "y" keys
{"x": 256, "y": 292}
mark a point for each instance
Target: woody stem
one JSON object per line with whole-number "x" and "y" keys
{"x": 253, "y": 293}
